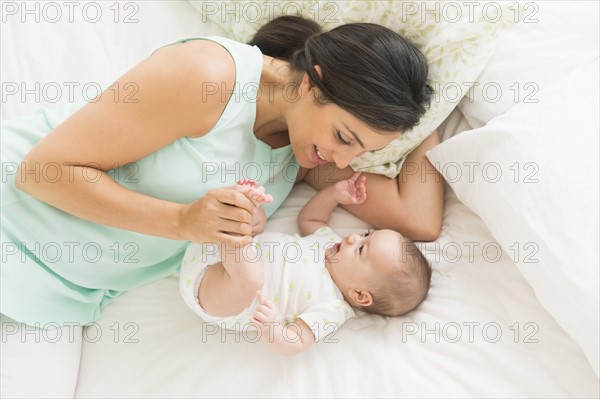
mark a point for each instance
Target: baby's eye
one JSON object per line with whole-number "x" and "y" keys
{"x": 360, "y": 249}
{"x": 367, "y": 233}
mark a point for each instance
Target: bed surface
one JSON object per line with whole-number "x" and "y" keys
{"x": 480, "y": 333}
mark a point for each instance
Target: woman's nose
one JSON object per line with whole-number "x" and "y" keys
{"x": 343, "y": 159}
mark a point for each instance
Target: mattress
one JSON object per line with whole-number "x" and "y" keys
{"x": 480, "y": 333}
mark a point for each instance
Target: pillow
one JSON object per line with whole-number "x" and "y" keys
{"x": 552, "y": 40}
{"x": 457, "y": 39}
{"x": 532, "y": 175}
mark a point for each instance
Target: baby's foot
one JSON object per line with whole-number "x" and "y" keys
{"x": 253, "y": 191}
{"x": 257, "y": 194}
{"x": 247, "y": 182}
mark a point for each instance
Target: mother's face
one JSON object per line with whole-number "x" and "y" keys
{"x": 323, "y": 133}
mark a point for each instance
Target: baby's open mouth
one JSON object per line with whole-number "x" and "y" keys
{"x": 336, "y": 247}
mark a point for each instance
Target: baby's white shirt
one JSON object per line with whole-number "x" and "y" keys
{"x": 295, "y": 280}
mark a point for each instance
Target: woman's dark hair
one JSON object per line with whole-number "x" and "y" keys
{"x": 368, "y": 70}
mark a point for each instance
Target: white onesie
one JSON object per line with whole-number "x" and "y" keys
{"x": 296, "y": 280}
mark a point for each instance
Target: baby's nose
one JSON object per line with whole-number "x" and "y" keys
{"x": 352, "y": 237}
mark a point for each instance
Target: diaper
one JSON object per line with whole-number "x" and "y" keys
{"x": 196, "y": 261}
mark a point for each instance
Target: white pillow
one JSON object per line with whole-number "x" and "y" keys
{"x": 551, "y": 39}
{"x": 534, "y": 182}
{"x": 457, "y": 39}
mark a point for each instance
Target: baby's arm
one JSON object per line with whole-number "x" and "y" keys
{"x": 317, "y": 211}
{"x": 285, "y": 340}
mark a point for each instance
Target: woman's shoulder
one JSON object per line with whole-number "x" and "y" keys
{"x": 199, "y": 76}
{"x": 217, "y": 48}
{"x": 208, "y": 58}
{"x": 172, "y": 89}
{"x": 216, "y": 62}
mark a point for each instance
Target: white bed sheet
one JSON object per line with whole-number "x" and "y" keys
{"x": 176, "y": 355}
{"x": 148, "y": 344}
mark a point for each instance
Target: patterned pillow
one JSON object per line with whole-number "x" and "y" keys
{"x": 457, "y": 38}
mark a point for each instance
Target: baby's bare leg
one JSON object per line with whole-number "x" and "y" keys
{"x": 229, "y": 287}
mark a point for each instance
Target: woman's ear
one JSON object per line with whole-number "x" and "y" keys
{"x": 361, "y": 298}
{"x": 319, "y": 71}
{"x": 307, "y": 84}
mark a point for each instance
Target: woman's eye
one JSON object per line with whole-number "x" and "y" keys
{"x": 341, "y": 138}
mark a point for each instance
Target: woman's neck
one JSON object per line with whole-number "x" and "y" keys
{"x": 270, "y": 125}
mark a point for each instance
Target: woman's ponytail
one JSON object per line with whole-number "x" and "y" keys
{"x": 282, "y": 36}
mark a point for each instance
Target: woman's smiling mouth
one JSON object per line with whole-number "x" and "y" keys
{"x": 317, "y": 157}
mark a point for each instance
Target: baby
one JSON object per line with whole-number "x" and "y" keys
{"x": 297, "y": 290}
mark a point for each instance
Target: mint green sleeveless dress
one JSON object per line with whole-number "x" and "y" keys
{"x": 58, "y": 268}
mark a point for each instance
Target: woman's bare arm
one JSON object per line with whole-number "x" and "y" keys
{"x": 411, "y": 204}
{"x": 169, "y": 104}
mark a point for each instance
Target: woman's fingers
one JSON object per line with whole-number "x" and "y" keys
{"x": 232, "y": 240}
{"x": 221, "y": 216}
{"x": 235, "y": 198}
{"x": 233, "y": 227}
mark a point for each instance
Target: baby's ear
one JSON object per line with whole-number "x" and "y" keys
{"x": 360, "y": 297}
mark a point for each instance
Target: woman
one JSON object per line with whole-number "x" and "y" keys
{"x": 119, "y": 188}
{"x": 412, "y": 204}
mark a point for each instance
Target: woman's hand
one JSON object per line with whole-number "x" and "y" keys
{"x": 231, "y": 216}
{"x": 221, "y": 216}
{"x": 259, "y": 222}
{"x": 107, "y": 133}
{"x": 258, "y": 196}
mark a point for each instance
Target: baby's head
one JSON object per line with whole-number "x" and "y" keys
{"x": 379, "y": 272}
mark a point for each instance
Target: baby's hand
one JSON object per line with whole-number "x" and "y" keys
{"x": 264, "y": 313}
{"x": 352, "y": 190}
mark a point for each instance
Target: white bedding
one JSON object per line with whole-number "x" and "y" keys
{"x": 374, "y": 356}
{"x": 149, "y": 344}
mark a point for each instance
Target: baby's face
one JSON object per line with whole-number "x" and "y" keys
{"x": 359, "y": 260}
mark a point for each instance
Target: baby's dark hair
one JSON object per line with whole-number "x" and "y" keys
{"x": 368, "y": 70}
{"x": 405, "y": 287}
